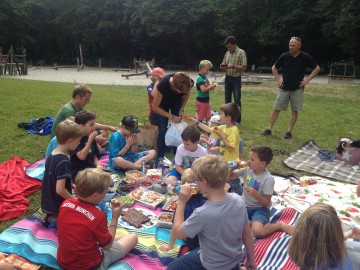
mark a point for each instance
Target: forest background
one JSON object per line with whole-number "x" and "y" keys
{"x": 178, "y": 32}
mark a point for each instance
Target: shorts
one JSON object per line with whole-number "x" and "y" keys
{"x": 175, "y": 173}
{"x": 115, "y": 253}
{"x": 132, "y": 157}
{"x": 283, "y": 97}
{"x": 202, "y": 110}
{"x": 259, "y": 214}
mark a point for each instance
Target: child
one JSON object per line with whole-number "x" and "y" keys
{"x": 56, "y": 185}
{"x": 186, "y": 153}
{"x": 317, "y": 242}
{"x": 156, "y": 75}
{"x": 203, "y": 87}
{"x": 258, "y": 190}
{"x": 221, "y": 223}
{"x": 85, "y": 240}
{"x": 227, "y": 133}
{"x": 123, "y": 146}
{"x": 194, "y": 202}
{"x": 86, "y": 155}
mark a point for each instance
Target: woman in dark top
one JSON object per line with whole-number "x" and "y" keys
{"x": 171, "y": 96}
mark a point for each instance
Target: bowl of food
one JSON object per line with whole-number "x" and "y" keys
{"x": 134, "y": 176}
{"x": 126, "y": 186}
{"x": 126, "y": 201}
{"x": 146, "y": 184}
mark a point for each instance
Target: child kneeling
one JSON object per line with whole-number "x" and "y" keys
{"x": 85, "y": 240}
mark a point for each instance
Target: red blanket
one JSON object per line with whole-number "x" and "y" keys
{"x": 14, "y": 186}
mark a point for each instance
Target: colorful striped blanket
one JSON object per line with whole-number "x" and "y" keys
{"x": 29, "y": 239}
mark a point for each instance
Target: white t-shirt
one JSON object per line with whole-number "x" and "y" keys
{"x": 186, "y": 158}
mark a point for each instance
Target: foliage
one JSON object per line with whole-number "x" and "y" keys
{"x": 178, "y": 32}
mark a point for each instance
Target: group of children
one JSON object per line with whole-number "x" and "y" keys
{"x": 214, "y": 223}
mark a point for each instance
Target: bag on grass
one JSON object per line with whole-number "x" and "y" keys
{"x": 348, "y": 149}
{"x": 147, "y": 138}
{"x": 173, "y": 134}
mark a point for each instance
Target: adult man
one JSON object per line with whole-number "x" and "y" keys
{"x": 80, "y": 97}
{"x": 234, "y": 64}
{"x": 291, "y": 86}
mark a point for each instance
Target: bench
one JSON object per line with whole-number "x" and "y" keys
{"x": 266, "y": 69}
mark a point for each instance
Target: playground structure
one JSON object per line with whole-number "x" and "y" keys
{"x": 342, "y": 72}
{"x": 12, "y": 63}
{"x": 141, "y": 64}
{"x": 79, "y": 63}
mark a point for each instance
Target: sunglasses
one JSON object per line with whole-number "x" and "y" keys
{"x": 296, "y": 38}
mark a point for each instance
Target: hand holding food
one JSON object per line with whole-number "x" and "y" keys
{"x": 185, "y": 193}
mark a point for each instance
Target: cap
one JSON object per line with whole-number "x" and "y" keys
{"x": 131, "y": 123}
{"x": 158, "y": 72}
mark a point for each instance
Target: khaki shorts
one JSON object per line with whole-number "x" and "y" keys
{"x": 115, "y": 253}
{"x": 283, "y": 97}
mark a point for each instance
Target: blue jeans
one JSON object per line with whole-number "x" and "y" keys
{"x": 190, "y": 260}
{"x": 233, "y": 87}
{"x": 162, "y": 128}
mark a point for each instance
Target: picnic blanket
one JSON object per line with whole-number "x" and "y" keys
{"x": 306, "y": 159}
{"x": 340, "y": 195}
{"x": 36, "y": 170}
{"x": 14, "y": 186}
{"x": 29, "y": 239}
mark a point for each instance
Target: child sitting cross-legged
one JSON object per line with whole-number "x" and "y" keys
{"x": 123, "y": 147}
{"x": 186, "y": 153}
{"x": 258, "y": 190}
{"x": 194, "y": 202}
{"x": 56, "y": 185}
{"x": 85, "y": 239}
{"x": 221, "y": 223}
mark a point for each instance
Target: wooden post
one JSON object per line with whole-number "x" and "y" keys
{"x": 11, "y": 71}
{"x": 77, "y": 63}
{"x": 100, "y": 63}
{"x": 81, "y": 58}
{"x": 25, "y": 63}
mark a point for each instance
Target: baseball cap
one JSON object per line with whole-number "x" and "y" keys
{"x": 158, "y": 72}
{"x": 131, "y": 123}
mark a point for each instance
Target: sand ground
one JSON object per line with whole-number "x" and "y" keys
{"x": 110, "y": 77}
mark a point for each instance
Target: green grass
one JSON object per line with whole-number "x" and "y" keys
{"x": 328, "y": 111}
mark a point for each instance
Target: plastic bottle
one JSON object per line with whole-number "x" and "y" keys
{"x": 143, "y": 169}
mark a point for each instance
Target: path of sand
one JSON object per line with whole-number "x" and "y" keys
{"x": 110, "y": 77}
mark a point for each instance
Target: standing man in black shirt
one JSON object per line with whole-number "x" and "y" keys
{"x": 292, "y": 84}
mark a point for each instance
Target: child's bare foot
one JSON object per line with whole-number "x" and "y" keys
{"x": 284, "y": 227}
{"x": 165, "y": 247}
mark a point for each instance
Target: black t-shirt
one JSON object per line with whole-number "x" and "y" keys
{"x": 294, "y": 68}
{"x": 77, "y": 164}
{"x": 170, "y": 99}
{"x": 56, "y": 167}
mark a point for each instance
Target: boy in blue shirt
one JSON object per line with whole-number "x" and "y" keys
{"x": 123, "y": 147}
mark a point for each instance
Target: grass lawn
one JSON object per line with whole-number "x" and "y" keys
{"x": 328, "y": 111}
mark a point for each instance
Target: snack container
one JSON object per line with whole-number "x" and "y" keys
{"x": 146, "y": 184}
{"x": 134, "y": 176}
{"x": 171, "y": 204}
{"x": 147, "y": 198}
{"x": 165, "y": 220}
{"x": 154, "y": 174}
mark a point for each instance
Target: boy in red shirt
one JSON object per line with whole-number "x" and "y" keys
{"x": 85, "y": 240}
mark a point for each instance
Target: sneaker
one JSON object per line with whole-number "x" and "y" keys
{"x": 288, "y": 135}
{"x": 266, "y": 132}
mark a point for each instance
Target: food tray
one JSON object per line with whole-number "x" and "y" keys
{"x": 171, "y": 204}
{"x": 165, "y": 224}
{"x": 148, "y": 213}
{"x": 154, "y": 174}
{"x": 134, "y": 176}
{"x": 147, "y": 198}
